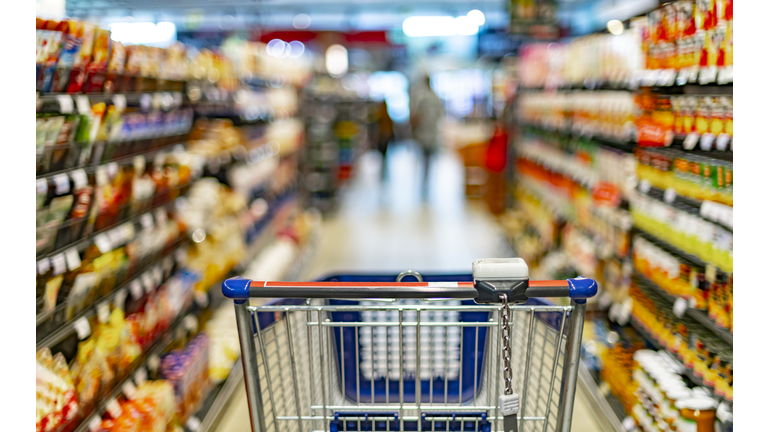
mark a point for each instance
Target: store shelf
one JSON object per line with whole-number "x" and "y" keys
{"x": 700, "y": 316}
{"x": 83, "y": 243}
{"x": 157, "y": 348}
{"x": 693, "y": 259}
{"x": 684, "y": 203}
{"x": 126, "y": 160}
{"x": 616, "y": 144}
{"x": 67, "y": 328}
{"x": 689, "y": 373}
{"x": 165, "y": 99}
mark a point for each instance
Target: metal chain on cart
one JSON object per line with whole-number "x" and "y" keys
{"x": 509, "y": 403}
{"x": 506, "y": 334}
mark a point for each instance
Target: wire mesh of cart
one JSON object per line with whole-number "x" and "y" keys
{"x": 463, "y": 353}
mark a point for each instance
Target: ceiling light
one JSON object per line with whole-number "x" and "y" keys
{"x": 476, "y": 17}
{"x": 616, "y": 27}
{"x": 301, "y": 21}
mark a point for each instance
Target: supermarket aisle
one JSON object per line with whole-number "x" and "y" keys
{"x": 389, "y": 228}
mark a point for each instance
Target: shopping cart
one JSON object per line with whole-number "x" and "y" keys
{"x": 444, "y": 353}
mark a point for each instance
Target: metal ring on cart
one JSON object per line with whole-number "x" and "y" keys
{"x": 413, "y": 273}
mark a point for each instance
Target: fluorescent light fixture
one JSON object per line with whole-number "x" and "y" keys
{"x": 476, "y": 17}
{"x": 296, "y": 49}
{"x": 616, "y": 27}
{"x": 336, "y": 61}
{"x": 420, "y": 26}
{"x": 301, "y": 21}
{"x": 144, "y": 33}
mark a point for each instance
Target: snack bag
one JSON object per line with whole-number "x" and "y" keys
{"x": 716, "y": 45}
{"x": 686, "y": 21}
{"x": 706, "y": 14}
{"x": 86, "y": 51}
{"x": 117, "y": 59}
{"x": 100, "y": 49}
{"x": 71, "y": 44}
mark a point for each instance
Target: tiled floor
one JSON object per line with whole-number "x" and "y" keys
{"x": 390, "y": 228}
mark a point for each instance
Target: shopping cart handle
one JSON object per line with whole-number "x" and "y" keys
{"x": 482, "y": 291}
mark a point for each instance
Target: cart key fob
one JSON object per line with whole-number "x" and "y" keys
{"x": 510, "y": 405}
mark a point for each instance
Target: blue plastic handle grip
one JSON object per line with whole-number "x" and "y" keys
{"x": 581, "y": 288}
{"x": 236, "y": 288}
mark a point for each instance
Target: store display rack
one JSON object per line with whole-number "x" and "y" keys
{"x": 693, "y": 259}
{"x": 627, "y": 146}
{"x": 689, "y": 373}
{"x": 698, "y": 315}
{"x": 119, "y": 295}
{"x": 180, "y": 325}
{"x": 693, "y": 206}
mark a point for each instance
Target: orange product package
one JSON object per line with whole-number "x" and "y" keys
{"x": 86, "y": 49}
{"x": 716, "y": 45}
{"x": 656, "y": 26}
{"x": 686, "y": 22}
{"x": 725, "y": 10}
{"x": 669, "y": 22}
{"x": 706, "y": 14}
{"x": 117, "y": 58}
{"x": 700, "y": 49}
{"x": 100, "y": 49}
{"x": 703, "y": 115}
{"x": 728, "y": 44}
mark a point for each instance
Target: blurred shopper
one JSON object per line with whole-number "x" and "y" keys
{"x": 424, "y": 121}
{"x": 386, "y": 134}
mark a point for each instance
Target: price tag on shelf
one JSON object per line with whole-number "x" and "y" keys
{"x": 79, "y": 178}
{"x": 113, "y": 408}
{"x": 102, "y": 242}
{"x": 181, "y": 256}
{"x": 129, "y": 390}
{"x": 690, "y": 141}
{"x": 706, "y": 141}
{"x": 140, "y": 376}
{"x": 65, "y": 103}
{"x": 625, "y": 312}
{"x": 722, "y": 142}
{"x": 73, "y": 259}
{"x": 167, "y": 267}
{"x": 161, "y": 216}
{"x": 157, "y": 101}
{"x": 136, "y": 291}
{"x": 128, "y": 232}
{"x": 120, "y": 299}
{"x": 83, "y": 104}
{"x": 59, "y": 264}
{"x": 102, "y": 178}
{"x": 157, "y": 275}
{"x": 153, "y": 363}
{"x": 177, "y": 99}
{"x": 193, "y": 424}
{"x": 149, "y": 284}
{"x": 190, "y": 322}
{"x": 708, "y": 75}
{"x": 42, "y": 186}
{"x": 605, "y": 300}
{"x": 669, "y": 195}
{"x": 711, "y": 273}
{"x": 102, "y": 312}
{"x": 691, "y": 303}
{"x": 43, "y": 266}
{"x": 119, "y": 101}
{"x": 82, "y": 328}
{"x": 679, "y": 307}
{"x": 146, "y": 220}
{"x": 95, "y": 424}
{"x": 725, "y": 75}
{"x": 62, "y": 184}
{"x": 645, "y": 186}
{"x": 201, "y": 299}
{"x": 145, "y": 101}
{"x": 112, "y": 169}
{"x": 116, "y": 237}
{"x": 605, "y": 388}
